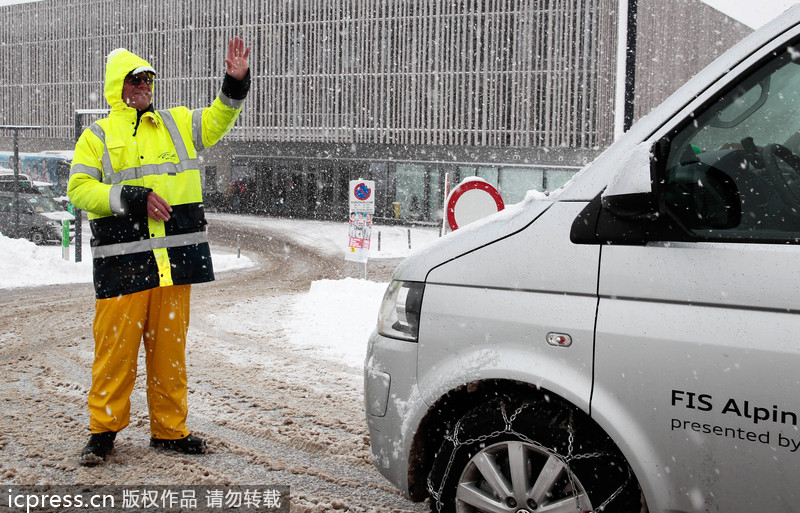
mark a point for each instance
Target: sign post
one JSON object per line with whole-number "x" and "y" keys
{"x": 65, "y": 239}
{"x": 362, "y": 208}
{"x": 443, "y": 227}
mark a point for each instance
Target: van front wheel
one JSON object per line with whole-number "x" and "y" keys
{"x": 527, "y": 457}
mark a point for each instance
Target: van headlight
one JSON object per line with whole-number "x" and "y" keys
{"x": 399, "y": 315}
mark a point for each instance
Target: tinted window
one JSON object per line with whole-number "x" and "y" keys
{"x": 733, "y": 173}
{"x": 43, "y": 204}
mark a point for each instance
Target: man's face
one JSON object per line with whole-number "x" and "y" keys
{"x": 137, "y": 91}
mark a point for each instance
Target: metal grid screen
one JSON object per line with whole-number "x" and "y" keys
{"x": 469, "y": 72}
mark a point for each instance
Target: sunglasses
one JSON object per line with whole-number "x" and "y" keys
{"x": 136, "y": 80}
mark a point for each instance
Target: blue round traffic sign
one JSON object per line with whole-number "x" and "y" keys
{"x": 362, "y": 191}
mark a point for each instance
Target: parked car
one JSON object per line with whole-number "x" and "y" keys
{"x": 40, "y": 218}
{"x": 627, "y": 343}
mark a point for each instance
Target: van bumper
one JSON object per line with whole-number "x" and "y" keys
{"x": 393, "y": 405}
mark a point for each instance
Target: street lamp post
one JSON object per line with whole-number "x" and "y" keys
{"x": 630, "y": 62}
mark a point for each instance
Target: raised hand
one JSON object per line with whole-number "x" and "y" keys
{"x": 236, "y": 64}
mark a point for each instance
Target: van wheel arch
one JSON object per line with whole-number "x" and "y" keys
{"x": 441, "y": 419}
{"x": 465, "y": 413}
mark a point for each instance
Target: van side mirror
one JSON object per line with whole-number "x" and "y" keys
{"x": 641, "y": 205}
{"x": 705, "y": 199}
{"x": 622, "y": 219}
{"x": 648, "y": 202}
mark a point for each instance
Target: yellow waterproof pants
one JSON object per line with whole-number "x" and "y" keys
{"x": 160, "y": 317}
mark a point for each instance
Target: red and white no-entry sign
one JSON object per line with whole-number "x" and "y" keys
{"x": 471, "y": 200}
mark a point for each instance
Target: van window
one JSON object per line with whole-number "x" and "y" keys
{"x": 410, "y": 191}
{"x": 733, "y": 173}
{"x": 43, "y": 204}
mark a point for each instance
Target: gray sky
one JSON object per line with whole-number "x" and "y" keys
{"x": 746, "y": 13}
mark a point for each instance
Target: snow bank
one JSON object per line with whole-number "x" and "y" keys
{"x": 25, "y": 264}
{"x": 336, "y": 318}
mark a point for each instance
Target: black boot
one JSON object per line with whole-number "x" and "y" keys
{"x": 189, "y": 444}
{"x": 98, "y": 448}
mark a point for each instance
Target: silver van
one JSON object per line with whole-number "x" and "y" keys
{"x": 40, "y": 218}
{"x": 628, "y": 343}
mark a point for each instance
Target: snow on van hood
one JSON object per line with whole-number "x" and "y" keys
{"x": 58, "y": 216}
{"x": 479, "y": 233}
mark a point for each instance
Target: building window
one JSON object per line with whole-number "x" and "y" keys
{"x": 515, "y": 182}
{"x": 410, "y": 191}
{"x": 555, "y": 178}
{"x": 490, "y": 174}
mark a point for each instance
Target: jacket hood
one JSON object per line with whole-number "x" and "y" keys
{"x": 121, "y": 62}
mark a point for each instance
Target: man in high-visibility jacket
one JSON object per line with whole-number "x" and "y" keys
{"x": 136, "y": 174}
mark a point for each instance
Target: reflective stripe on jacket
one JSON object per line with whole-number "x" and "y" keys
{"x": 118, "y": 160}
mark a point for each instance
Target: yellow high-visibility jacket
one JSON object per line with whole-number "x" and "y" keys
{"x": 120, "y": 159}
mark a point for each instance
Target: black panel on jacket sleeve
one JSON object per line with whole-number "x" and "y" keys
{"x": 134, "y": 199}
{"x": 236, "y": 89}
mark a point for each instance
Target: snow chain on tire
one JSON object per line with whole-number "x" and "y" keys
{"x": 436, "y": 493}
